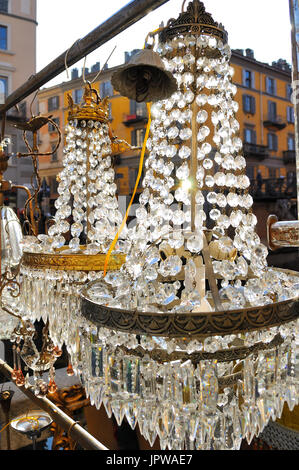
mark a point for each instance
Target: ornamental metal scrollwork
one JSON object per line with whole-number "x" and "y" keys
{"x": 191, "y": 325}
{"x": 196, "y": 20}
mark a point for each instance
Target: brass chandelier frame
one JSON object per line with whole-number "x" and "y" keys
{"x": 191, "y": 325}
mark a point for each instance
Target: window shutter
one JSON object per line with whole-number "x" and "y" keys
{"x": 104, "y": 90}
{"x": 244, "y": 103}
{"x": 253, "y": 134}
{"x": 252, "y": 105}
{"x": 252, "y": 80}
{"x": 269, "y": 141}
{"x": 133, "y": 107}
{"x": 244, "y": 77}
{"x": 275, "y": 142}
{"x": 133, "y": 138}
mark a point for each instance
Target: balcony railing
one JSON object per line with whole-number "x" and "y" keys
{"x": 274, "y": 121}
{"x": 254, "y": 150}
{"x": 130, "y": 119}
{"x": 289, "y": 157}
{"x": 274, "y": 188}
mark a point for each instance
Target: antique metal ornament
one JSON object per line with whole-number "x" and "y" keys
{"x": 92, "y": 108}
{"x": 193, "y": 20}
{"x": 144, "y": 78}
{"x": 282, "y": 233}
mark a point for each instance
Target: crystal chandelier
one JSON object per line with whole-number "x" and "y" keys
{"x": 194, "y": 337}
{"x": 54, "y": 267}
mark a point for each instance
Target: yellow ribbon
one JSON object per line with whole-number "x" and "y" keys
{"x": 134, "y": 192}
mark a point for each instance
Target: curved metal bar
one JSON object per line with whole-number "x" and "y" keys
{"x": 123, "y": 19}
{"x": 74, "y": 430}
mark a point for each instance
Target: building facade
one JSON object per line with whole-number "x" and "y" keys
{"x": 266, "y": 117}
{"x": 17, "y": 63}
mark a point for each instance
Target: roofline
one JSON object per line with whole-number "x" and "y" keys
{"x": 236, "y": 58}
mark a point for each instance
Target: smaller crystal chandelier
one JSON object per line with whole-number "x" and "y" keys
{"x": 194, "y": 337}
{"x": 56, "y": 265}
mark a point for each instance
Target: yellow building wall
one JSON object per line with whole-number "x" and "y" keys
{"x": 261, "y": 111}
{"x": 120, "y": 109}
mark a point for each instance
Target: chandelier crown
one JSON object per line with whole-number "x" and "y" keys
{"x": 195, "y": 20}
{"x": 93, "y": 108}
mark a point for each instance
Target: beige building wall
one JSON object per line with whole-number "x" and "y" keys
{"x": 17, "y": 43}
{"x": 17, "y": 63}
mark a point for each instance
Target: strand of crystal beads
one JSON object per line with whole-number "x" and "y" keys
{"x": 88, "y": 180}
{"x": 184, "y": 406}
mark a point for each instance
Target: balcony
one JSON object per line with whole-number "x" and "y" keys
{"x": 273, "y": 121}
{"x": 289, "y": 157}
{"x": 130, "y": 119}
{"x": 274, "y": 188}
{"x": 257, "y": 151}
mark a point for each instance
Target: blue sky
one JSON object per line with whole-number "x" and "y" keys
{"x": 261, "y": 25}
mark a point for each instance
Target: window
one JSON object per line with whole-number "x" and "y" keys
{"x": 53, "y": 185}
{"x": 249, "y": 104}
{"x": 3, "y": 89}
{"x": 249, "y": 136}
{"x": 291, "y": 142}
{"x": 289, "y": 91}
{"x": 250, "y": 172}
{"x": 271, "y": 86}
{"x": 77, "y": 95}
{"x": 248, "y": 78}
{"x": 51, "y": 127}
{"x": 54, "y": 157}
{"x": 272, "y": 142}
{"x": 139, "y": 109}
{"x": 272, "y": 110}
{"x": 106, "y": 89}
{"x": 290, "y": 114}
{"x": 137, "y": 137}
{"x": 4, "y": 6}
{"x": 53, "y": 103}
{"x": 272, "y": 172}
{"x": 3, "y": 37}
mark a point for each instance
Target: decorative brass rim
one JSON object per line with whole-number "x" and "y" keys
{"x": 72, "y": 262}
{"x": 224, "y": 355}
{"x": 187, "y": 325}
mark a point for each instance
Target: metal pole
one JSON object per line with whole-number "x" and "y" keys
{"x": 74, "y": 430}
{"x": 123, "y": 19}
{"x": 294, "y": 7}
